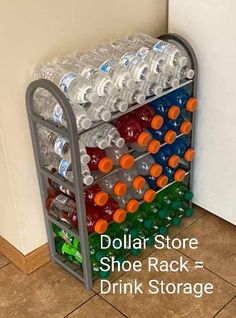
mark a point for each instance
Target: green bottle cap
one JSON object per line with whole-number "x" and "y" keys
{"x": 188, "y": 195}
{"x": 176, "y": 220}
{"x": 104, "y": 274}
{"x": 134, "y": 233}
{"x": 163, "y": 213}
{"x": 176, "y": 204}
{"x": 99, "y": 255}
{"x": 148, "y": 223}
{"x": 120, "y": 259}
{"x": 163, "y": 230}
{"x": 135, "y": 251}
{"x": 188, "y": 212}
{"x": 150, "y": 241}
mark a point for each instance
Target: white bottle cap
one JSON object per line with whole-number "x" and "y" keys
{"x": 122, "y": 106}
{"x": 102, "y": 144}
{"x": 92, "y": 97}
{"x": 120, "y": 142}
{"x": 182, "y": 61}
{"x": 105, "y": 115}
{"x": 174, "y": 82}
{"x": 130, "y": 83}
{"x": 158, "y": 90}
{"x": 112, "y": 90}
{"x": 140, "y": 98}
{"x": 88, "y": 179}
{"x": 166, "y": 68}
{"x": 190, "y": 73}
{"x": 85, "y": 123}
{"x": 148, "y": 76}
{"x": 85, "y": 158}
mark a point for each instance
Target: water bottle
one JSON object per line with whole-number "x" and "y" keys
{"x": 115, "y": 103}
{"x": 147, "y": 166}
{"x": 98, "y": 111}
{"x": 112, "y": 185}
{"x": 60, "y": 144}
{"x": 131, "y": 178}
{"x": 168, "y": 51}
{"x": 120, "y": 156}
{"x": 134, "y": 96}
{"x": 167, "y": 81}
{"x": 94, "y": 138}
{"x": 76, "y": 89}
{"x": 46, "y": 106}
{"x": 183, "y": 72}
{"x": 112, "y": 136}
{"x": 150, "y": 89}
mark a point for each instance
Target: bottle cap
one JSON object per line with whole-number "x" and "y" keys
{"x": 93, "y": 97}
{"x": 174, "y": 82}
{"x": 157, "y": 122}
{"x": 173, "y": 161}
{"x": 149, "y": 195}
{"x": 148, "y": 223}
{"x": 104, "y": 274}
{"x": 158, "y": 90}
{"x": 126, "y": 161}
{"x": 135, "y": 251}
{"x": 101, "y": 226}
{"x": 119, "y": 142}
{"x": 165, "y": 68}
{"x": 176, "y": 204}
{"x": 162, "y": 181}
{"x": 189, "y": 154}
{"x": 133, "y": 233}
{"x": 138, "y": 183}
{"x": 119, "y": 216}
{"x": 84, "y": 158}
{"x": 148, "y": 76}
{"x": 140, "y": 98}
{"x": 112, "y": 90}
{"x": 150, "y": 240}
{"x": 163, "y": 230}
{"x": 188, "y": 212}
{"x": 88, "y": 179}
{"x": 105, "y": 115}
{"x": 170, "y": 137}
{"x": 185, "y": 127}
{"x": 132, "y": 206}
{"x": 130, "y": 83}
{"x": 120, "y": 188}
{"x": 182, "y": 61}
{"x": 176, "y": 220}
{"x": 153, "y": 146}
{"x": 173, "y": 112}
{"x": 105, "y": 165}
{"x": 144, "y": 138}
{"x": 155, "y": 170}
{"x": 191, "y": 104}
{"x": 162, "y": 213}
{"x": 188, "y": 195}
{"x": 102, "y": 144}
{"x": 100, "y": 198}
{"x": 190, "y": 73}
{"x": 122, "y": 106}
{"x": 85, "y": 123}
{"x": 179, "y": 175}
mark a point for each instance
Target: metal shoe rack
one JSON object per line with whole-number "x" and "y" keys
{"x": 77, "y": 187}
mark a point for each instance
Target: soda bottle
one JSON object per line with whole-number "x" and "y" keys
{"x": 131, "y": 178}
{"x": 146, "y": 166}
{"x": 180, "y": 190}
{"x": 175, "y": 174}
{"x": 95, "y": 196}
{"x": 180, "y": 125}
{"x": 146, "y": 194}
{"x": 67, "y": 250}
{"x": 165, "y": 108}
{"x": 147, "y": 117}
{"x": 112, "y": 185}
{"x": 181, "y": 98}
{"x": 127, "y": 202}
{"x": 182, "y": 149}
{"x": 112, "y": 212}
{"x": 164, "y": 134}
{"x": 120, "y": 156}
{"x": 155, "y": 226}
{"x": 99, "y": 160}
{"x": 166, "y": 157}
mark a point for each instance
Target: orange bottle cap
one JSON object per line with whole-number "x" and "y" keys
{"x": 119, "y": 216}
{"x": 153, "y": 146}
{"x": 189, "y": 154}
{"x": 191, "y": 104}
{"x": 185, "y": 127}
{"x": 120, "y": 188}
{"x": 101, "y": 226}
{"x": 138, "y": 182}
{"x": 157, "y": 122}
{"x": 162, "y": 181}
{"x": 173, "y": 161}
{"x": 100, "y": 198}
{"x": 170, "y": 137}
{"x": 126, "y": 161}
{"x": 155, "y": 170}
{"x": 105, "y": 165}
{"x": 132, "y": 206}
{"x": 179, "y": 175}
{"x": 144, "y": 138}
{"x": 173, "y": 112}
{"x": 149, "y": 195}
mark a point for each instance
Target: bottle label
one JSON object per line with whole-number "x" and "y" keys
{"x": 63, "y": 203}
{"x": 65, "y": 81}
{"x": 143, "y": 52}
{"x": 57, "y": 114}
{"x": 107, "y": 65}
{"x": 88, "y": 72}
{"x": 126, "y": 59}
{"x": 63, "y": 167}
{"x": 160, "y": 46}
{"x": 59, "y": 145}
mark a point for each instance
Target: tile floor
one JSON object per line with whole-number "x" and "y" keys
{"x": 51, "y": 292}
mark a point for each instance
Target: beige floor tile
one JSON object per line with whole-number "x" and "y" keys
{"x": 217, "y": 245}
{"x": 49, "y": 292}
{"x": 171, "y": 306}
{"x": 3, "y": 261}
{"x": 229, "y": 311}
{"x": 96, "y": 307}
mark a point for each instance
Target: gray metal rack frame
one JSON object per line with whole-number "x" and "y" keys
{"x": 77, "y": 187}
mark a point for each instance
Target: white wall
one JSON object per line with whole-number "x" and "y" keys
{"x": 210, "y": 26}
{"x": 30, "y": 32}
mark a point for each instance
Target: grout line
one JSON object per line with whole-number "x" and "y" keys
{"x": 216, "y": 314}
{"x": 67, "y": 315}
{"x": 209, "y": 270}
{"x": 112, "y": 306}
{"x": 5, "y": 265}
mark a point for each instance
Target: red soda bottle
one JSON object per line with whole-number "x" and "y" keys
{"x": 147, "y": 117}
{"x": 95, "y": 196}
{"x": 112, "y": 212}
{"x": 99, "y": 160}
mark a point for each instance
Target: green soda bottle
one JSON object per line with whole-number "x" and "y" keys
{"x": 66, "y": 249}
{"x": 156, "y": 226}
{"x": 180, "y": 190}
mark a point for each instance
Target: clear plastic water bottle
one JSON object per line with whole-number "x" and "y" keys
{"x": 76, "y": 89}
{"x": 60, "y": 144}
{"x": 133, "y": 96}
{"x": 149, "y": 89}
{"x": 183, "y": 72}
{"x": 47, "y": 106}
{"x": 98, "y": 111}
{"x": 94, "y": 138}
{"x": 168, "y": 81}
{"x": 168, "y": 51}
{"x": 112, "y": 136}
{"x": 115, "y": 103}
